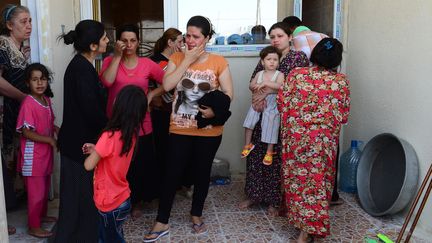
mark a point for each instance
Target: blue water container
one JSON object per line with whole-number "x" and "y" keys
{"x": 348, "y": 168}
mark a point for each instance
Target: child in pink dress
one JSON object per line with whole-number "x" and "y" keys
{"x": 37, "y": 143}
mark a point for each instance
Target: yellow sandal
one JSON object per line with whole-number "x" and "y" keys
{"x": 268, "y": 158}
{"x": 246, "y": 150}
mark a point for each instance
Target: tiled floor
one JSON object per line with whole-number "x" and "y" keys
{"x": 227, "y": 223}
{"x": 18, "y": 219}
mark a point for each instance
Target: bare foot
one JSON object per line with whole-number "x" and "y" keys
{"x": 304, "y": 238}
{"x": 272, "y": 211}
{"x": 245, "y": 204}
{"x": 39, "y": 233}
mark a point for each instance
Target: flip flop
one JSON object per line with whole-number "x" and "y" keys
{"x": 158, "y": 234}
{"x": 199, "y": 228}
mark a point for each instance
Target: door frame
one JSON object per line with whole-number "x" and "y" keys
{"x": 337, "y": 16}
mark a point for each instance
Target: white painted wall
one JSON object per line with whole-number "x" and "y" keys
{"x": 387, "y": 58}
{"x": 233, "y": 136}
{"x": 61, "y": 12}
{"x": 388, "y": 61}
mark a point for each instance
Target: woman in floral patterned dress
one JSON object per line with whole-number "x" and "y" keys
{"x": 313, "y": 102}
{"x": 262, "y": 181}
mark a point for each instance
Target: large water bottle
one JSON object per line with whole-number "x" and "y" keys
{"x": 220, "y": 173}
{"x": 348, "y": 168}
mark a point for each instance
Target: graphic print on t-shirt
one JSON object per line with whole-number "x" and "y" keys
{"x": 193, "y": 85}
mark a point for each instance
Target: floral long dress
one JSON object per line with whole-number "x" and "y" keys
{"x": 263, "y": 182}
{"x": 313, "y": 103}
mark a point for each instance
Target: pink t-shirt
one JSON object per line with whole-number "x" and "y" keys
{"x": 109, "y": 182}
{"x": 35, "y": 158}
{"x": 145, "y": 69}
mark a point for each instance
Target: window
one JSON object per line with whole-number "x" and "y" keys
{"x": 229, "y": 17}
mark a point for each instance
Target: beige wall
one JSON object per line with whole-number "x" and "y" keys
{"x": 390, "y": 88}
{"x": 388, "y": 60}
{"x": 61, "y": 12}
{"x": 233, "y": 136}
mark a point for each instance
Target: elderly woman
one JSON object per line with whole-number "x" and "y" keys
{"x": 263, "y": 182}
{"x": 313, "y": 102}
{"x": 15, "y": 28}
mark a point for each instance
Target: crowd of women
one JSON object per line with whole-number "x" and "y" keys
{"x": 163, "y": 119}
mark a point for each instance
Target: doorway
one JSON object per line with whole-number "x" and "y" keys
{"x": 3, "y": 3}
{"x": 148, "y": 15}
{"x": 318, "y": 15}
{"x": 323, "y": 16}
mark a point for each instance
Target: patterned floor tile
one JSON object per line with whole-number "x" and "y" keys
{"x": 238, "y": 223}
{"x": 208, "y": 238}
{"x": 227, "y": 223}
{"x": 253, "y": 238}
{"x": 181, "y": 224}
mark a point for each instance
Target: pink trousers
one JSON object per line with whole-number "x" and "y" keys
{"x": 37, "y": 198}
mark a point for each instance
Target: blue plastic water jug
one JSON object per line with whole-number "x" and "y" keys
{"x": 348, "y": 168}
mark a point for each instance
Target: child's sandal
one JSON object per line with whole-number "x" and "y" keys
{"x": 268, "y": 158}
{"x": 246, "y": 150}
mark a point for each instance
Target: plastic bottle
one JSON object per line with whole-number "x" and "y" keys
{"x": 220, "y": 173}
{"x": 348, "y": 168}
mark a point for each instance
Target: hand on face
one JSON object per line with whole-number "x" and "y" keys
{"x": 195, "y": 53}
{"x": 119, "y": 47}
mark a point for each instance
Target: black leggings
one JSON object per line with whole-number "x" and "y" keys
{"x": 187, "y": 152}
{"x": 144, "y": 173}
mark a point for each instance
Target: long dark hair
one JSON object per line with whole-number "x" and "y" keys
{"x": 162, "y": 42}
{"x": 129, "y": 109}
{"x": 127, "y": 28}
{"x": 327, "y": 53}
{"x": 46, "y": 73}
{"x": 281, "y": 25}
{"x": 86, "y": 32}
{"x": 203, "y": 23}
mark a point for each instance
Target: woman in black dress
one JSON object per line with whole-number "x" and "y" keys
{"x": 83, "y": 120}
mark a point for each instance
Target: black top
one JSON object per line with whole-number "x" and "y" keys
{"x": 158, "y": 57}
{"x": 13, "y": 64}
{"x": 84, "y": 108}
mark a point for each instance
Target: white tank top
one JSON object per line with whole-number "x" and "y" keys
{"x": 261, "y": 73}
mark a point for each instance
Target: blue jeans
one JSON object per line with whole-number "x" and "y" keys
{"x": 111, "y": 223}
